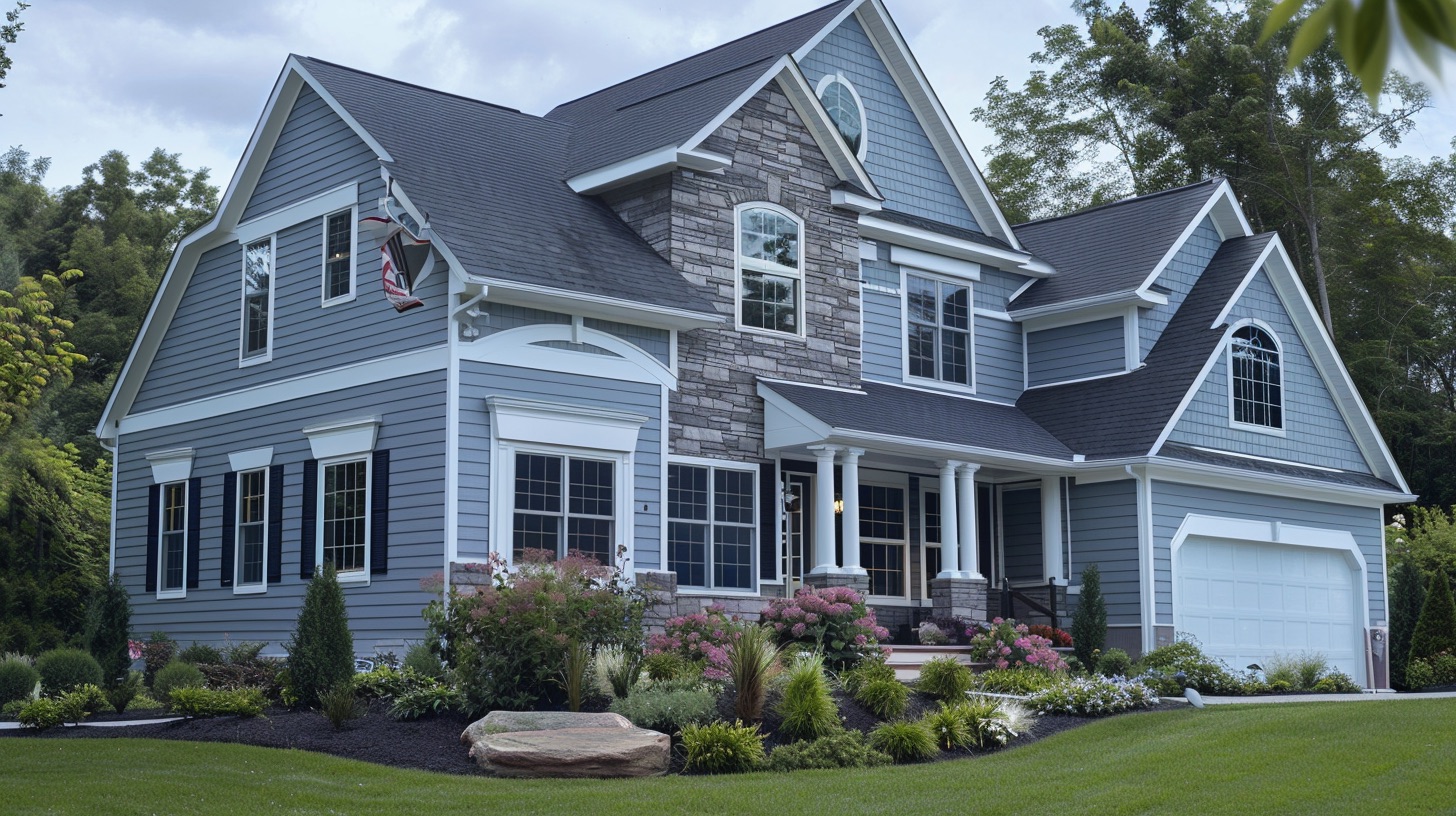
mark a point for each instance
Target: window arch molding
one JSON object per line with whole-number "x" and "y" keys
{"x": 768, "y": 243}
{"x": 1255, "y": 361}
{"x": 835, "y": 107}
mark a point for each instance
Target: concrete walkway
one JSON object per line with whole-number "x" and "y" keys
{"x": 1329, "y": 698}
{"x": 15, "y": 726}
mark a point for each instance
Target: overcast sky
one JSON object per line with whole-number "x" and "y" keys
{"x": 191, "y": 76}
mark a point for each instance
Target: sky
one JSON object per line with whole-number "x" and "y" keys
{"x": 192, "y": 76}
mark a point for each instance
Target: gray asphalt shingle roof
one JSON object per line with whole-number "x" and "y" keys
{"x": 1122, "y": 416}
{"x": 1345, "y": 477}
{"x": 490, "y": 179}
{"x": 915, "y": 414}
{"x": 667, "y": 106}
{"x": 1107, "y": 249}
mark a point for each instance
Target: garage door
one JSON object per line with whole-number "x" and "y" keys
{"x": 1246, "y": 601}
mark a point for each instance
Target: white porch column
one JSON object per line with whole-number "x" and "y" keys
{"x": 970, "y": 551}
{"x": 824, "y": 510}
{"x": 849, "y": 468}
{"x": 949, "y": 529}
{"x": 1051, "y": 526}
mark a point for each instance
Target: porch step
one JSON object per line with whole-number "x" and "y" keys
{"x": 907, "y": 660}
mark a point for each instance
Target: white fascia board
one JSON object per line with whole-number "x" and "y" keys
{"x": 516, "y": 293}
{"x": 854, "y": 202}
{"x": 931, "y": 262}
{"x": 1228, "y": 217}
{"x": 1101, "y": 311}
{"x": 457, "y": 269}
{"x": 296, "y": 213}
{"x": 646, "y": 165}
{"x": 344, "y": 114}
{"x": 1226, "y": 478}
{"x": 800, "y": 93}
{"x": 1114, "y": 302}
{"x": 1223, "y": 314}
{"x": 879, "y": 229}
{"x": 885, "y": 36}
{"x": 813, "y": 42}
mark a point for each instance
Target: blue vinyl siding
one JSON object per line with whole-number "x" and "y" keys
{"x": 1173, "y": 502}
{"x": 1314, "y": 431}
{"x": 1103, "y": 531}
{"x": 999, "y": 363}
{"x": 386, "y": 612}
{"x": 480, "y": 380}
{"x": 882, "y": 347}
{"x": 1075, "y": 352}
{"x": 1178, "y": 278}
{"x": 898, "y": 156}
{"x": 1021, "y": 534}
{"x": 198, "y": 356}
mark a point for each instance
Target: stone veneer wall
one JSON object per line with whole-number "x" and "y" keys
{"x": 689, "y": 218}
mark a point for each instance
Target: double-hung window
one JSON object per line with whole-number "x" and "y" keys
{"x": 883, "y": 543}
{"x": 257, "y": 340}
{"x": 770, "y": 269}
{"x": 172, "y": 575}
{"x": 938, "y": 343}
{"x": 711, "y": 532}
{"x": 339, "y": 250}
{"x": 564, "y": 505}
{"x": 344, "y": 515}
{"x": 252, "y": 527}
{"x": 1256, "y": 380}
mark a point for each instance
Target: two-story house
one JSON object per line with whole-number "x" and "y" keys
{"x": 755, "y": 320}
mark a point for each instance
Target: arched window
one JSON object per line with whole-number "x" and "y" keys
{"x": 1256, "y": 379}
{"x": 770, "y": 269}
{"x": 845, "y": 110}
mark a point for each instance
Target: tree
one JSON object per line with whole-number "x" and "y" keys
{"x": 1436, "y": 629}
{"x": 1363, "y": 33}
{"x": 321, "y": 653}
{"x": 8, "y": 34}
{"x": 1407, "y": 596}
{"x": 108, "y": 629}
{"x": 1089, "y": 622}
{"x": 33, "y": 349}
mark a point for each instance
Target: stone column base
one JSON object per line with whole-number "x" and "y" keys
{"x": 858, "y": 583}
{"x": 661, "y": 587}
{"x": 959, "y": 598}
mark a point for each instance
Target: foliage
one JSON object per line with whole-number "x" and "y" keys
{"x": 1008, "y": 643}
{"x": 1438, "y": 670}
{"x": 1407, "y": 596}
{"x": 720, "y": 747}
{"x": 8, "y": 34}
{"x": 1336, "y": 683}
{"x": 950, "y": 726}
{"x": 17, "y": 680}
{"x": 667, "y": 709}
{"x": 993, "y": 723}
{"x": 108, "y": 629}
{"x": 264, "y": 673}
{"x": 807, "y": 707}
{"x": 1426, "y": 539}
{"x": 904, "y": 741}
{"x": 340, "y": 705}
{"x": 669, "y": 666}
{"x": 64, "y": 669}
{"x": 83, "y": 701}
{"x": 1182, "y": 664}
{"x": 419, "y": 658}
{"x": 123, "y": 693}
{"x": 1089, "y": 621}
{"x": 34, "y": 352}
{"x": 157, "y": 652}
{"x": 1435, "y": 630}
{"x": 430, "y": 699}
{"x": 199, "y": 653}
{"x": 616, "y": 670}
{"x": 1022, "y": 680}
{"x": 945, "y": 678}
{"x": 1301, "y": 671}
{"x": 42, "y": 714}
{"x": 842, "y": 749}
{"x": 753, "y": 662}
{"x": 1363, "y": 34}
{"x": 573, "y": 674}
{"x": 929, "y": 634}
{"x": 833, "y": 621}
{"x": 321, "y": 653}
{"x": 11, "y": 710}
{"x": 1114, "y": 663}
{"x": 886, "y": 699}
{"x": 384, "y": 682}
{"x": 1057, "y": 637}
{"x": 145, "y": 702}
{"x": 510, "y": 637}
{"x": 1093, "y": 697}
{"x": 176, "y": 675}
{"x": 868, "y": 671}
{"x": 702, "y": 638}
{"x": 203, "y": 702}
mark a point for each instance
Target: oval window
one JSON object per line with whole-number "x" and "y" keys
{"x": 845, "y": 111}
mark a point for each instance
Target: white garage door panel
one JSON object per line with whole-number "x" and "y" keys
{"x": 1246, "y": 601}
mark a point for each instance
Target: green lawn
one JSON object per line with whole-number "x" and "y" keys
{"x": 1357, "y": 758}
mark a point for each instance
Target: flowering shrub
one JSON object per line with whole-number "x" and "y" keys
{"x": 702, "y": 638}
{"x": 1057, "y": 637}
{"x": 1008, "y": 643}
{"x": 931, "y": 635}
{"x": 833, "y": 621}
{"x": 1093, "y": 697}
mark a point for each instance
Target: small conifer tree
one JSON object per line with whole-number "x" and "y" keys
{"x": 1436, "y": 628}
{"x": 1089, "y": 622}
{"x": 1407, "y": 596}
{"x": 108, "y": 628}
{"x": 321, "y": 653}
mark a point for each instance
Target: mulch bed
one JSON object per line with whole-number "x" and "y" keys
{"x": 433, "y": 743}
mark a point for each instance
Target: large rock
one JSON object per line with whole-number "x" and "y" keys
{"x": 565, "y": 744}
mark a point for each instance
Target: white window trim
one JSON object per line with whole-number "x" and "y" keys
{"x": 239, "y": 588}
{"x": 1228, "y": 352}
{"x": 720, "y": 464}
{"x": 164, "y": 594}
{"x": 740, "y": 264}
{"x": 503, "y": 500}
{"x": 867, "y": 479}
{"x": 173, "y": 465}
{"x": 864, "y": 120}
{"x": 927, "y": 382}
{"x": 324, "y": 300}
{"x": 359, "y": 577}
{"x": 345, "y": 438}
{"x": 925, "y": 576}
{"x": 245, "y": 359}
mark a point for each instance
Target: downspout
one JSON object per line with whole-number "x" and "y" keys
{"x": 1146, "y": 596}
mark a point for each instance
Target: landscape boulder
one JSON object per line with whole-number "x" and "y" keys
{"x": 558, "y": 744}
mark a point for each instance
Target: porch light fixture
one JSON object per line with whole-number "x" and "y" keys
{"x": 838, "y": 504}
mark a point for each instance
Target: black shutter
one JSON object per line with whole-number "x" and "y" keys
{"x": 194, "y": 530}
{"x": 768, "y": 522}
{"x": 275, "y": 524}
{"x": 379, "y": 515}
{"x": 308, "y": 538}
{"x": 229, "y": 526}
{"x": 154, "y": 521}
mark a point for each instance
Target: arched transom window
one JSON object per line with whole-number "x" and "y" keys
{"x": 845, "y": 110}
{"x": 1256, "y": 380}
{"x": 771, "y": 272}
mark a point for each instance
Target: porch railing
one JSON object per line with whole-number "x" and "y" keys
{"x": 1011, "y": 595}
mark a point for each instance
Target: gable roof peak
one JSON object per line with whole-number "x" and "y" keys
{"x": 306, "y": 61}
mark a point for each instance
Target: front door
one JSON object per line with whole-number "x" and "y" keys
{"x": 797, "y": 490}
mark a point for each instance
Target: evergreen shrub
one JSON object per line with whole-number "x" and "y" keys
{"x": 321, "y": 653}
{"x": 176, "y": 675}
{"x": 63, "y": 669}
{"x": 1089, "y": 621}
{"x": 17, "y": 680}
{"x": 1435, "y": 630}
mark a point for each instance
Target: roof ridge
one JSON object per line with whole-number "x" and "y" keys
{"x": 699, "y": 55}
{"x": 644, "y": 100}
{"x": 413, "y": 85}
{"x": 1120, "y": 202}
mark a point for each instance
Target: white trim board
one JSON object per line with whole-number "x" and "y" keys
{"x": 516, "y": 347}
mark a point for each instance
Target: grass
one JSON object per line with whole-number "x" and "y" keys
{"x": 1316, "y": 758}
